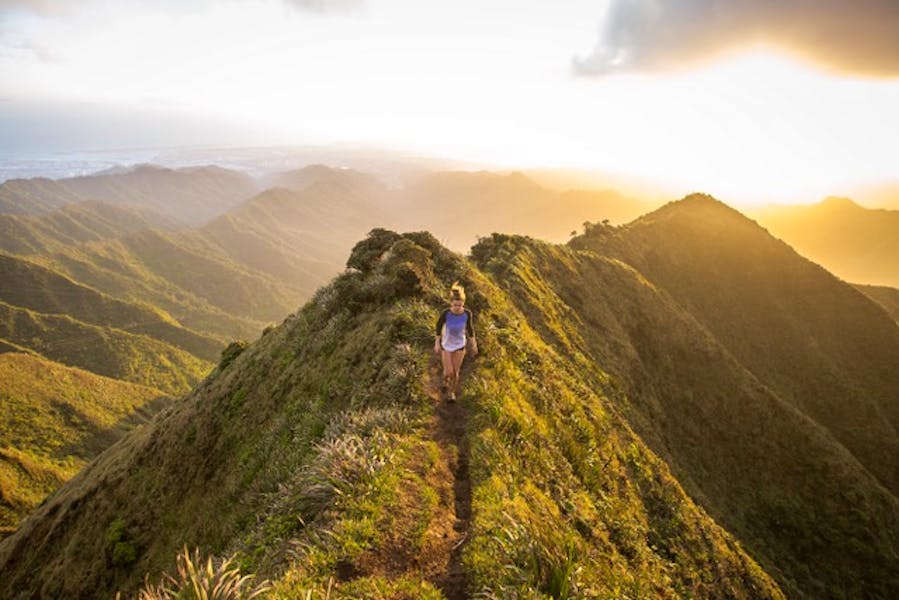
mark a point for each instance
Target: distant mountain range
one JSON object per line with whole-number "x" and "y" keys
{"x": 641, "y": 366}
{"x": 458, "y": 207}
{"x": 858, "y": 244}
{"x": 682, "y": 406}
{"x": 192, "y": 195}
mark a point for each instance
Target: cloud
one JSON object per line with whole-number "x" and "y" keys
{"x": 46, "y": 8}
{"x": 328, "y": 6}
{"x": 860, "y": 37}
{"x": 67, "y": 8}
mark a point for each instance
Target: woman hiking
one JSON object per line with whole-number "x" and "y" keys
{"x": 454, "y": 327}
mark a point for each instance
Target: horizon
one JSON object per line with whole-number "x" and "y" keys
{"x": 758, "y": 106}
{"x": 258, "y": 162}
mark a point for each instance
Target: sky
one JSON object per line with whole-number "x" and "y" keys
{"x": 755, "y": 101}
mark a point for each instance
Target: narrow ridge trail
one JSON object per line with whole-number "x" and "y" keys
{"x": 450, "y": 421}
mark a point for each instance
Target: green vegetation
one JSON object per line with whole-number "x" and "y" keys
{"x": 31, "y": 286}
{"x": 75, "y": 223}
{"x": 53, "y": 419}
{"x": 340, "y": 481}
{"x": 119, "y": 547}
{"x": 33, "y": 196}
{"x": 102, "y": 350}
{"x": 198, "y": 581}
{"x": 812, "y": 339}
{"x": 621, "y": 437}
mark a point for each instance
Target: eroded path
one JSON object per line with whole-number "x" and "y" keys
{"x": 450, "y": 420}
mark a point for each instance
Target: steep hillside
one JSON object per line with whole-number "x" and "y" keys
{"x": 317, "y": 454}
{"x": 816, "y": 341}
{"x": 887, "y": 297}
{"x": 102, "y": 350}
{"x": 183, "y": 274}
{"x": 53, "y": 420}
{"x": 856, "y": 243}
{"x": 75, "y": 223}
{"x": 300, "y": 236}
{"x": 789, "y": 491}
{"x": 193, "y": 195}
{"x": 31, "y": 286}
{"x": 34, "y": 196}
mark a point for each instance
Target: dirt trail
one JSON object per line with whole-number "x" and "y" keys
{"x": 449, "y": 432}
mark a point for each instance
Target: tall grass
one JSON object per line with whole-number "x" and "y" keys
{"x": 196, "y": 580}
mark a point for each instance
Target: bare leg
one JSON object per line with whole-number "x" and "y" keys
{"x": 447, "y": 368}
{"x": 457, "y": 367}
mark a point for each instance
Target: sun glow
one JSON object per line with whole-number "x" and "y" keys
{"x": 755, "y": 128}
{"x": 468, "y": 82}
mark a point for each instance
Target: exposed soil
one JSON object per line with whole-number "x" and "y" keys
{"x": 449, "y": 432}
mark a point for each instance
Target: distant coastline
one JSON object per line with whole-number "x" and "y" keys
{"x": 60, "y": 165}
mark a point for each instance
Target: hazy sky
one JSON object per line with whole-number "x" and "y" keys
{"x": 750, "y": 100}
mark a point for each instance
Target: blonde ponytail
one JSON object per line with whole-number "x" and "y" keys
{"x": 457, "y": 292}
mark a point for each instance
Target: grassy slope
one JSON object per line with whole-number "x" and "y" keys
{"x": 812, "y": 515}
{"x": 76, "y": 223}
{"x": 53, "y": 419}
{"x": 886, "y": 297}
{"x": 302, "y": 236}
{"x": 34, "y": 196}
{"x": 227, "y": 279}
{"x": 82, "y": 241}
{"x": 816, "y": 341}
{"x": 197, "y": 285}
{"x": 29, "y": 285}
{"x": 102, "y": 350}
{"x": 193, "y": 195}
{"x": 311, "y": 451}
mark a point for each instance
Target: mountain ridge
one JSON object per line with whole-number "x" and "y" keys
{"x": 608, "y": 416}
{"x": 765, "y": 332}
{"x": 397, "y": 285}
{"x": 192, "y": 195}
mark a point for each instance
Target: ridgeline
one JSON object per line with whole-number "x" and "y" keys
{"x": 612, "y": 440}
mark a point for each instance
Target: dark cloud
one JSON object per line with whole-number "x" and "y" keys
{"x": 858, "y": 37}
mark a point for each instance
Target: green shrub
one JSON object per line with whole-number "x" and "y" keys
{"x": 232, "y": 351}
{"x": 366, "y": 254}
{"x": 122, "y": 550}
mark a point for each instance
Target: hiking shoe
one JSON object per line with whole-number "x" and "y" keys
{"x": 451, "y": 397}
